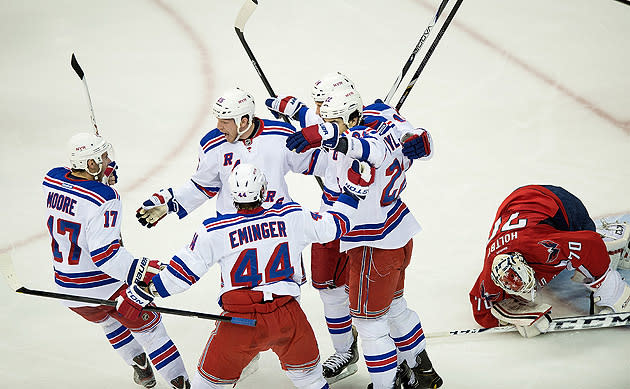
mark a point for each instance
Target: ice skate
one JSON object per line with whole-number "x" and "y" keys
{"x": 180, "y": 383}
{"x": 142, "y": 371}
{"x": 403, "y": 374}
{"x": 424, "y": 375}
{"x": 342, "y": 364}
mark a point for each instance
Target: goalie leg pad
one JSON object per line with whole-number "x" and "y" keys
{"x": 612, "y": 292}
{"x": 616, "y": 236}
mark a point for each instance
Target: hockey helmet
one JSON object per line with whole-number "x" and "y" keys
{"x": 342, "y": 104}
{"x": 247, "y": 184}
{"x": 514, "y": 275}
{"x": 328, "y": 83}
{"x": 85, "y": 146}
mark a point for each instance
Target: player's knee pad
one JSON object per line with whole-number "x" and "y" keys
{"x": 370, "y": 329}
{"x": 198, "y": 382}
{"x": 307, "y": 379}
{"x": 334, "y": 297}
{"x": 398, "y": 306}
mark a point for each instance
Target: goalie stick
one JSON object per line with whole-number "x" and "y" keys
{"x": 572, "y": 323}
{"x": 412, "y": 57}
{"x": 246, "y": 11}
{"x": 415, "y": 76}
{"x": 77, "y": 68}
{"x": 6, "y": 268}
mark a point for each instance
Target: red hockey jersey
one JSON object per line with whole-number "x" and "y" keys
{"x": 530, "y": 221}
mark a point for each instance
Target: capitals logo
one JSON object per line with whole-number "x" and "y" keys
{"x": 552, "y": 249}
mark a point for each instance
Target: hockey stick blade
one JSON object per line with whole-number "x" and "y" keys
{"x": 77, "y": 68}
{"x": 574, "y": 323}
{"x": 7, "y": 270}
{"x": 244, "y": 13}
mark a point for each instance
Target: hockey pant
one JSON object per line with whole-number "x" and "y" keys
{"x": 281, "y": 326}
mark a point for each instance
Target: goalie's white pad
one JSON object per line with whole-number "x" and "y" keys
{"x": 616, "y": 236}
{"x": 611, "y": 292}
{"x": 530, "y": 319}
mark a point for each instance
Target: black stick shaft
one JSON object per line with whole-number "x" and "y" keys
{"x": 412, "y": 57}
{"x": 413, "y": 80}
{"x": 112, "y": 303}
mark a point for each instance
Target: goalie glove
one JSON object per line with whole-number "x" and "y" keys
{"x": 325, "y": 135}
{"x": 530, "y": 319}
{"x": 155, "y": 208}
{"x": 130, "y": 302}
{"x": 360, "y": 177}
{"x": 142, "y": 270}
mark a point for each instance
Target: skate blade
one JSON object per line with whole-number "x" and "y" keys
{"x": 348, "y": 371}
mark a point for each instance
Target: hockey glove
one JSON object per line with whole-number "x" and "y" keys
{"x": 286, "y": 105}
{"x": 416, "y": 146}
{"x": 323, "y": 134}
{"x": 360, "y": 177}
{"x": 155, "y": 208}
{"x": 142, "y": 270}
{"x": 110, "y": 176}
{"x": 130, "y": 303}
{"x": 530, "y": 319}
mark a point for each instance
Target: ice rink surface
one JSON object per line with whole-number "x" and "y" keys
{"x": 516, "y": 93}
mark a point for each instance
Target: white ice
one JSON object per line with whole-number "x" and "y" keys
{"x": 516, "y": 93}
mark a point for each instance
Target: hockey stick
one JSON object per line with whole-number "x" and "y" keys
{"x": 6, "y": 268}
{"x": 81, "y": 74}
{"x": 558, "y": 324}
{"x": 412, "y": 57}
{"x": 242, "y": 17}
{"x": 415, "y": 76}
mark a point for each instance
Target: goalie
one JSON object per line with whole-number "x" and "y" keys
{"x": 538, "y": 231}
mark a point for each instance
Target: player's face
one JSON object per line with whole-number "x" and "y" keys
{"x": 318, "y": 104}
{"x": 339, "y": 121}
{"x": 228, "y": 128}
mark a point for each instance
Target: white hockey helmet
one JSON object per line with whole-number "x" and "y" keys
{"x": 512, "y": 274}
{"x": 247, "y": 184}
{"x": 342, "y": 104}
{"x": 85, "y": 146}
{"x": 234, "y": 104}
{"x": 328, "y": 83}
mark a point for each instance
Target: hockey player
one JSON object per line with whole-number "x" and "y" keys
{"x": 379, "y": 245}
{"x": 540, "y": 230}
{"x": 259, "y": 253}
{"x": 239, "y": 137}
{"x": 329, "y": 270}
{"x": 84, "y": 218}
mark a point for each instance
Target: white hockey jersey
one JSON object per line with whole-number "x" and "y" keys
{"x": 266, "y": 150}
{"x": 259, "y": 250}
{"x": 83, "y": 219}
{"x": 383, "y": 211}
